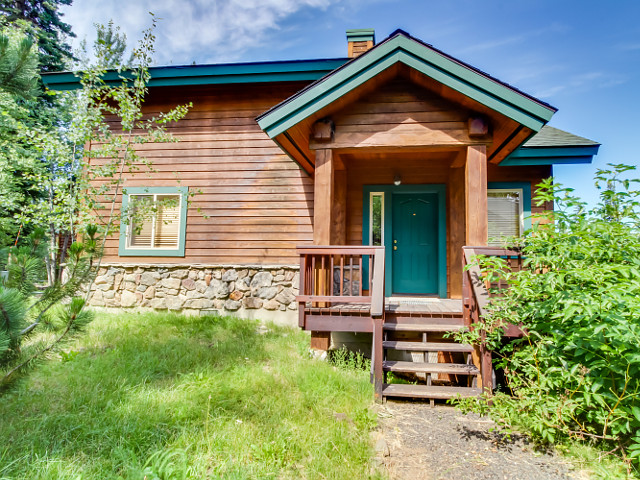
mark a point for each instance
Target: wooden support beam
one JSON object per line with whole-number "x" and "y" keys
{"x": 323, "y": 130}
{"x": 377, "y": 352}
{"x": 460, "y": 160}
{"x": 478, "y": 126}
{"x": 323, "y": 197}
{"x": 320, "y": 340}
{"x": 322, "y": 227}
{"x": 456, "y": 228}
{"x": 339, "y": 212}
{"x": 477, "y": 217}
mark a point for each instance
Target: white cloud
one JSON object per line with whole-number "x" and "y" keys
{"x": 218, "y": 30}
{"x": 584, "y": 82}
{"x": 516, "y": 39}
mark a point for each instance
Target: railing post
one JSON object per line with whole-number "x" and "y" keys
{"x": 486, "y": 365}
{"x": 377, "y": 283}
{"x": 376, "y": 287}
{"x": 302, "y": 290}
{"x": 377, "y": 354}
{"x": 466, "y": 293}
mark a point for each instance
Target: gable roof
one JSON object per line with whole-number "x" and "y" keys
{"x": 400, "y": 47}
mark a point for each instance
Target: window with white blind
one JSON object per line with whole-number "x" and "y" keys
{"x": 506, "y": 216}
{"x": 155, "y": 221}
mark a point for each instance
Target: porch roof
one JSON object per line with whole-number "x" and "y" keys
{"x": 402, "y": 48}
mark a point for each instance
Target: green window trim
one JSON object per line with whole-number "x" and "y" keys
{"x": 388, "y": 191}
{"x": 526, "y": 197}
{"x": 125, "y": 251}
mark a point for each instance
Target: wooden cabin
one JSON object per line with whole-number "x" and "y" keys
{"x": 337, "y": 194}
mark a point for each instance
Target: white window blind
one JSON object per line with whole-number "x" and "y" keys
{"x": 159, "y": 226}
{"x": 505, "y": 214}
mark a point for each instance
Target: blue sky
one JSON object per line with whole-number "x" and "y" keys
{"x": 582, "y": 56}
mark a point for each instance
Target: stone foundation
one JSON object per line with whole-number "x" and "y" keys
{"x": 263, "y": 292}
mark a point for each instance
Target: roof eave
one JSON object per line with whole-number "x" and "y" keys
{"x": 556, "y": 155}
{"x": 258, "y": 72}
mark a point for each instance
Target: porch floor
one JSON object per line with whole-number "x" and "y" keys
{"x": 422, "y": 305}
{"x": 397, "y": 305}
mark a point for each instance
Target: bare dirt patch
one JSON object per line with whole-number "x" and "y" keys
{"x": 415, "y": 441}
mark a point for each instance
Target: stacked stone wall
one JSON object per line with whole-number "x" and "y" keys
{"x": 261, "y": 292}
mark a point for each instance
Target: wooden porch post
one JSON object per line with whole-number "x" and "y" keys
{"x": 323, "y": 197}
{"x": 339, "y": 212}
{"x": 476, "y": 221}
{"x": 322, "y": 223}
{"x": 475, "y": 183}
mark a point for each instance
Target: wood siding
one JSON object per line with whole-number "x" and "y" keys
{"x": 259, "y": 202}
{"x": 400, "y": 115}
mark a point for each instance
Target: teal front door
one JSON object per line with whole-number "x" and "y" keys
{"x": 415, "y": 243}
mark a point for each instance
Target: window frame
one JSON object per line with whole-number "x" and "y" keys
{"x": 524, "y": 188}
{"x": 381, "y": 195}
{"x": 124, "y": 250}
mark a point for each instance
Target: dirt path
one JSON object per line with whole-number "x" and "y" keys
{"x": 416, "y": 442}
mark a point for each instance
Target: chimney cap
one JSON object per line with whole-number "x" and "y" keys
{"x": 361, "y": 35}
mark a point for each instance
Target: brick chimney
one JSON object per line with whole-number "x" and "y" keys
{"x": 360, "y": 40}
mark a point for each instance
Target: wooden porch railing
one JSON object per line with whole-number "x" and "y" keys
{"x": 332, "y": 278}
{"x": 476, "y": 296}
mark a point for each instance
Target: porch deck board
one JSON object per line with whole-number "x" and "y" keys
{"x": 408, "y": 307}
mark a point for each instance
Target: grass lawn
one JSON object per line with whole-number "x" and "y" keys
{"x": 164, "y": 396}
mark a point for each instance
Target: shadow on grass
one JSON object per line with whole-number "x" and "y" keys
{"x": 241, "y": 404}
{"x": 139, "y": 387}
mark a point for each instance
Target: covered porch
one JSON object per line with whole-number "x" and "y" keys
{"x": 404, "y": 144}
{"x": 341, "y": 290}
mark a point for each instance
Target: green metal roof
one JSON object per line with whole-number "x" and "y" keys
{"x": 401, "y": 47}
{"x": 553, "y": 146}
{"x": 233, "y": 73}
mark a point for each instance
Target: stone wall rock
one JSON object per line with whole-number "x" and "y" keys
{"x": 225, "y": 289}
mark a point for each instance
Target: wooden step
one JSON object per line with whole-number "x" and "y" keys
{"x": 450, "y": 319}
{"x": 421, "y": 327}
{"x": 419, "y": 367}
{"x": 424, "y": 391}
{"x": 427, "y": 346}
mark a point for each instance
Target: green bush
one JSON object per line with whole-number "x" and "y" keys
{"x": 577, "y": 372}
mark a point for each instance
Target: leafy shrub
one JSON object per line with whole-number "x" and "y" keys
{"x": 346, "y": 359}
{"x": 577, "y": 372}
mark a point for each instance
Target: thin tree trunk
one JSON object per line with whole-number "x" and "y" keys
{"x": 53, "y": 254}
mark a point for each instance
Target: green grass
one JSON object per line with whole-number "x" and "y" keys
{"x": 169, "y": 397}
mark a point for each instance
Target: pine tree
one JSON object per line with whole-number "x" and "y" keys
{"x": 19, "y": 157}
{"x": 45, "y": 26}
{"x": 111, "y": 45}
{"x": 18, "y": 65}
